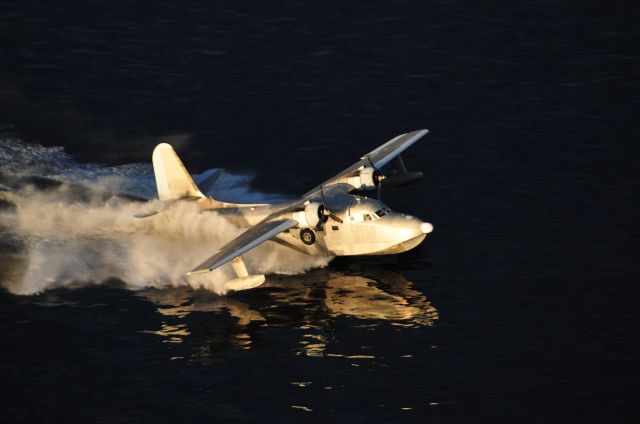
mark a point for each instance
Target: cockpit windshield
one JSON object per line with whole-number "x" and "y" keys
{"x": 382, "y": 212}
{"x": 369, "y": 216}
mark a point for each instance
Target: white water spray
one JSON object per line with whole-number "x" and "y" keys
{"x": 69, "y": 242}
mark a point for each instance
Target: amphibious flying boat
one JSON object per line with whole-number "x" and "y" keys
{"x": 332, "y": 219}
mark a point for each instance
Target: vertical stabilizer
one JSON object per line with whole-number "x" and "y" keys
{"x": 172, "y": 179}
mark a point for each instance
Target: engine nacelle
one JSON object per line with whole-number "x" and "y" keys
{"x": 310, "y": 216}
{"x": 365, "y": 180}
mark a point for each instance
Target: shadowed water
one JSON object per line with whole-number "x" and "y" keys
{"x": 521, "y": 306}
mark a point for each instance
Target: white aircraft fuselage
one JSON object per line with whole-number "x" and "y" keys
{"x": 329, "y": 220}
{"x": 368, "y": 227}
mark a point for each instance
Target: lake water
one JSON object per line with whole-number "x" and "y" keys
{"x": 521, "y": 306}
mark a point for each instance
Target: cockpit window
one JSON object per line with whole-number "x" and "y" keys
{"x": 371, "y": 216}
{"x": 382, "y": 212}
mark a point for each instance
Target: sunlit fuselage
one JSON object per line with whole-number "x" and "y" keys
{"x": 368, "y": 227}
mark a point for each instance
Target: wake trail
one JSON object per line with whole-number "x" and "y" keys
{"x": 76, "y": 230}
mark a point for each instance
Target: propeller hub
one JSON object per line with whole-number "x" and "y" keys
{"x": 378, "y": 177}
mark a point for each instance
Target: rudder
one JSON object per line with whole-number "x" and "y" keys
{"x": 172, "y": 179}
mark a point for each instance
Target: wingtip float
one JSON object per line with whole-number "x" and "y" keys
{"x": 329, "y": 220}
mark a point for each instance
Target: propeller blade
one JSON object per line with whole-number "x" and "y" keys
{"x": 378, "y": 178}
{"x": 322, "y": 217}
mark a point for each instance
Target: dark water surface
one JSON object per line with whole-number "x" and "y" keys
{"x": 521, "y": 306}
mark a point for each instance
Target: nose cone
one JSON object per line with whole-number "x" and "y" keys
{"x": 401, "y": 232}
{"x": 399, "y": 227}
{"x": 426, "y": 227}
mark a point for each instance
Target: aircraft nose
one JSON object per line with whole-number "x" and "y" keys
{"x": 426, "y": 227}
{"x": 403, "y": 227}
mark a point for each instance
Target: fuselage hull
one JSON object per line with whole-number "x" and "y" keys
{"x": 389, "y": 234}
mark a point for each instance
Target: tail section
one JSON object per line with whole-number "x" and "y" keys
{"x": 172, "y": 179}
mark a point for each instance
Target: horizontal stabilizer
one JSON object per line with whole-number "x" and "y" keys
{"x": 207, "y": 179}
{"x": 141, "y": 215}
{"x": 163, "y": 207}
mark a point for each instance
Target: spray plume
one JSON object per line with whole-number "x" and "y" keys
{"x": 83, "y": 234}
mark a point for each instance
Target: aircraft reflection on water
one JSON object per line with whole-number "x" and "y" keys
{"x": 309, "y": 304}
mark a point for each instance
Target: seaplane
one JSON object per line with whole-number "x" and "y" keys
{"x": 332, "y": 219}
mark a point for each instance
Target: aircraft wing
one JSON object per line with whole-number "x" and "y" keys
{"x": 376, "y": 158}
{"x": 246, "y": 241}
{"x": 274, "y": 224}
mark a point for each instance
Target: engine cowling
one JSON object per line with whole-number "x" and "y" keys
{"x": 366, "y": 179}
{"x": 310, "y": 216}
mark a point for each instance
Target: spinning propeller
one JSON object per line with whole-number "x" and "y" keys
{"x": 398, "y": 177}
{"x": 324, "y": 213}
